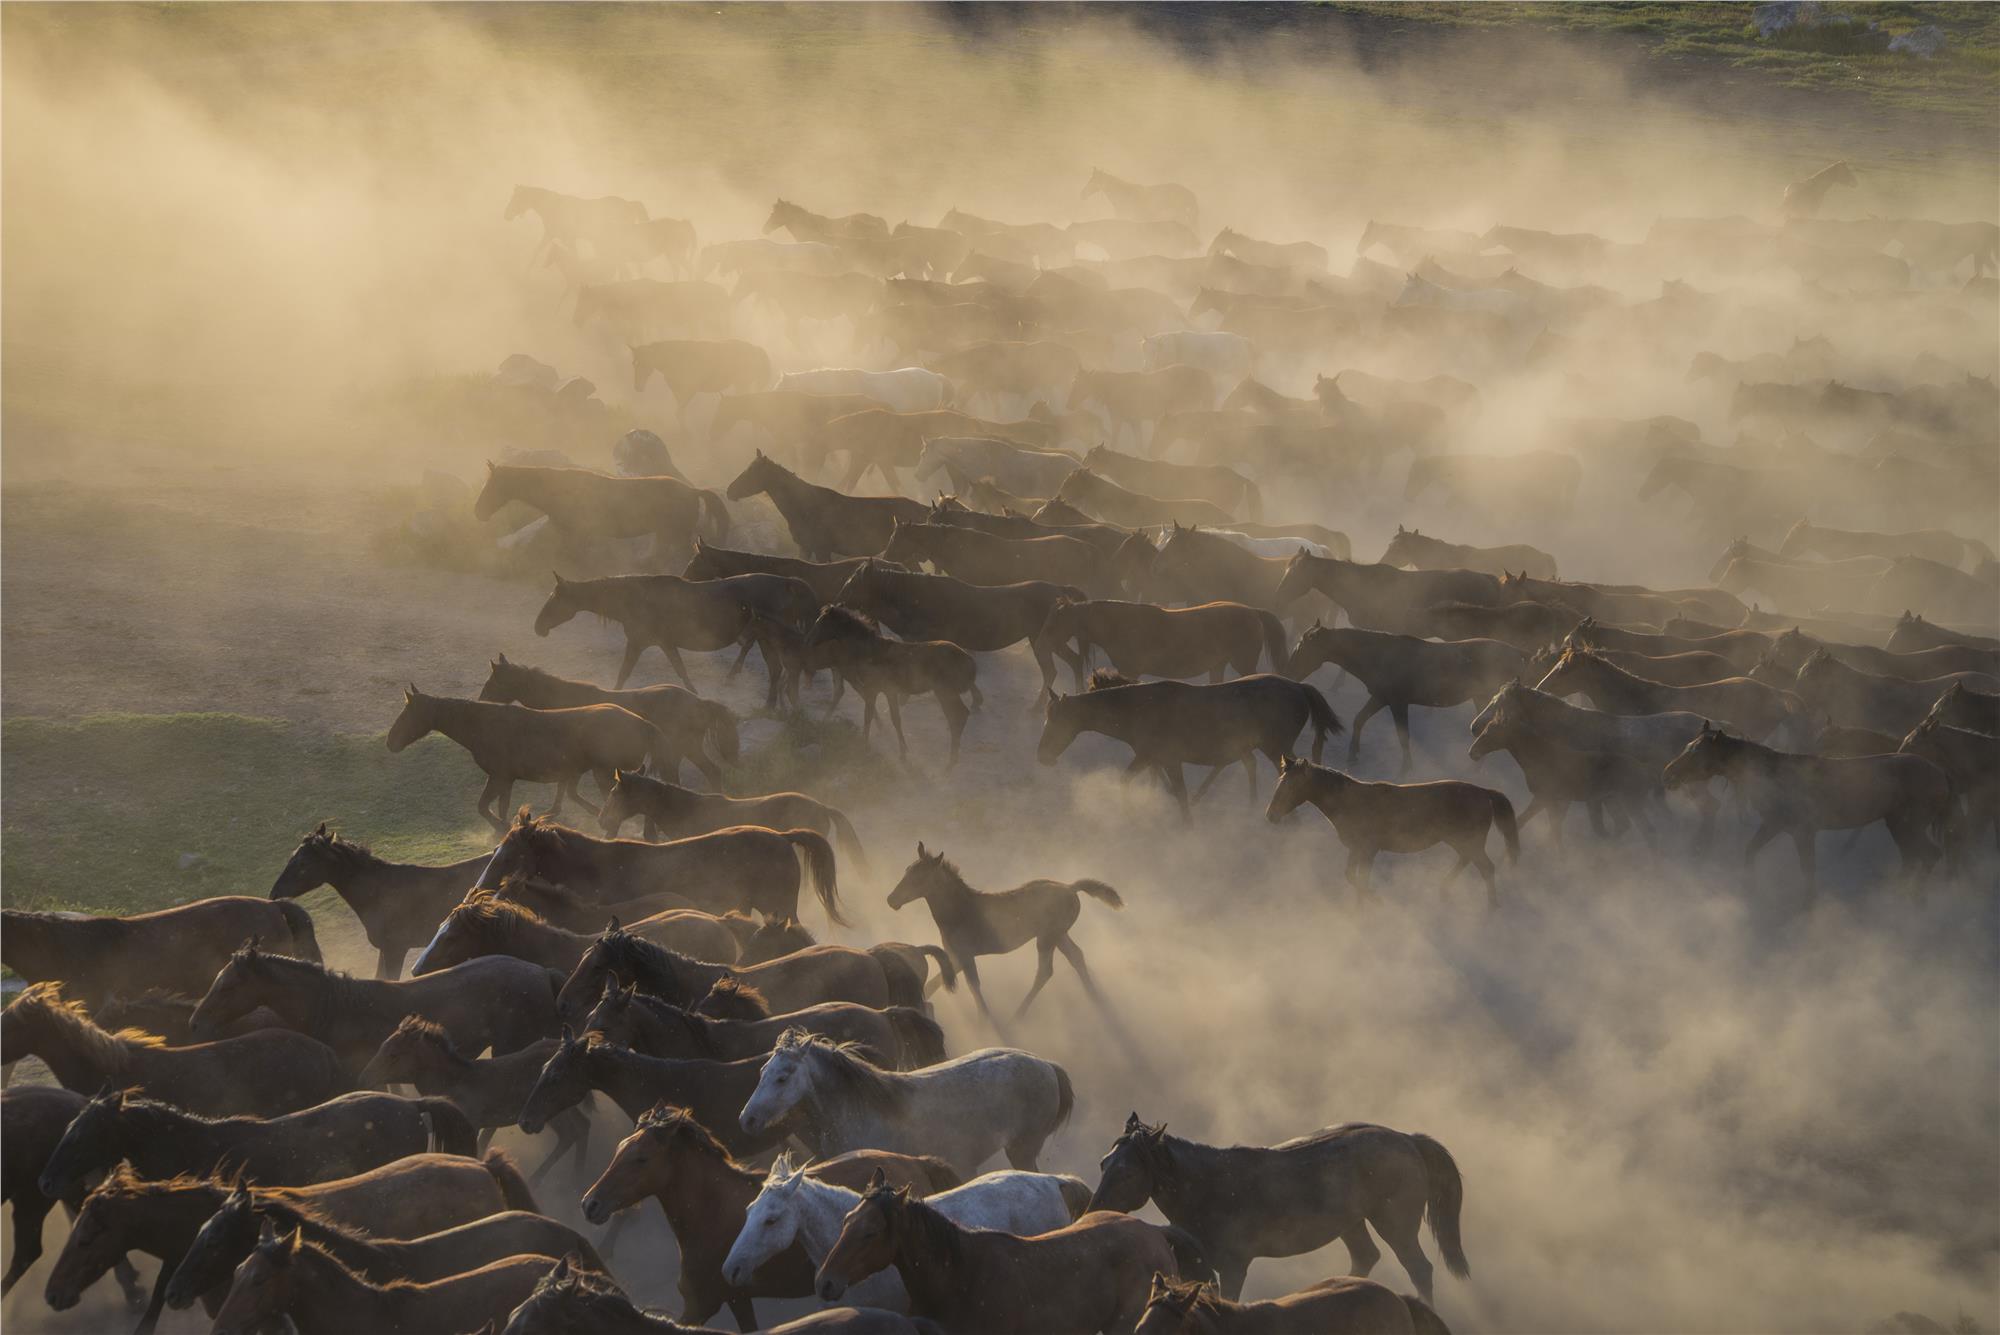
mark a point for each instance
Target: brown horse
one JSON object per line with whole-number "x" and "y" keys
{"x": 671, "y": 613}
{"x": 748, "y": 867}
{"x": 1966, "y": 757}
{"x": 1379, "y": 597}
{"x": 32, "y": 1120}
{"x": 977, "y": 618}
{"x": 1913, "y": 632}
{"x": 1172, "y": 724}
{"x": 1411, "y": 548}
{"x": 700, "y": 732}
{"x": 1744, "y": 648}
{"x": 1294, "y": 1197}
{"x": 806, "y": 978}
{"x": 400, "y": 904}
{"x": 1791, "y": 648}
{"x": 515, "y": 744}
{"x": 973, "y": 922}
{"x": 1375, "y": 818}
{"x": 1750, "y": 706}
{"x": 266, "y": 1073}
{"x": 1106, "y": 500}
{"x": 577, "y": 910}
{"x": 1015, "y": 523}
{"x": 788, "y": 417}
{"x": 713, "y": 1092}
{"x": 1134, "y": 398}
{"x": 507, "y": 1003}
{"x": 901, "y": 1038}
{"x": 824, "y": 523}
{"x": 289, "y": 1277}
{"x": 1224, "y": 488}
{"x": 1144, "y": 640}
{"x": 895, "y": 670}
{"x": 1558, "y": 775}
{"x": 1340, "y": 1306}
{"x": 1963, "y": 707}
{"x": 985, "y": 558}
{"x": 823, "y": 577}
{"x": 1864, "y": 700}
{"x": 487, "y": 924}
{"x": 583, "y": 505}
{"x": 1401, "y": 671}
{"x": 1525, "y": 625}
{"x": 166, "y": 1015}
{"x": 696, "y": 366}
{"x": 338, "y": 1138}
{"x": 1093, "y": 1275}
{"x": 489, "y": 1090}
{"x": 176, "y": 949}
{"x": 674, "y": 812}
{"x": 1801, "y": 795}
{"x": 1694, "y": 667}
{"x": 569, "y": 1300}
{"x": 704, "y": 1192}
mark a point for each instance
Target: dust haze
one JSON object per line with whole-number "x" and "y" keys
{"x": 235, "y": 236}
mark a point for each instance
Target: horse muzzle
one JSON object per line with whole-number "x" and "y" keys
{"x": 829, "y": 1289}
{"x": 597, "y": 1212}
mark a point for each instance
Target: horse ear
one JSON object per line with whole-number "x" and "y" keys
{"x": 561, "y": 1272}
{"x": 294, "y": 1241}
{"x": 320, "y": 829}
{"x": 921, "y": 854}
{"x": 567, "y": 1035}
{"x": 1160, "y": 1284}
{"x": 268, "y": 1234}
{"x": 1132, "y": 1122}
{"x": 878, "y": 1178}
{"x": 612, "y": 925}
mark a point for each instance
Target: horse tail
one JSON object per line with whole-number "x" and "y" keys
{"x": 905, "y": 979}
{"x": 1075, "y": 1194}
{"x": 453, "y": 1130}
{"x": 1190, "y": 1257}
{"x": 850, "y": 845}
{"x": 720, "y": 730}
{"x": 816, "y": 857}
{"x": 513, "y": 1187}
{"x": 1324, "y": 720}
{"x": 947, "y": 968}
{"x": 1447, "y": 1195}
{"x": 919, "y": 1038}
{"x": 1274, "y": 639}
{"x": 1099, "y": 891}
{"x": 305, "y": 944}
{"x": 718, "y": 514}
{"x": 1424, "y": 1319}
{"x": 1510, "y": 829}
{"x": 1065, "y": 1098}
{"x": 939, "y": 1174}
{"x": 662, "y": 751}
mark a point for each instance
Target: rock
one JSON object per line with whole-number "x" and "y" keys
{"x": 189, "y": 861}
{"x": 1925, "y": 43}
{"x": 1773, "y": 19}
{"x": 641, "y": 453}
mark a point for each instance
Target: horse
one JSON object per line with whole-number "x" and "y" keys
{"x": 1143, "y": 203}
{"x": 1946, "y": 548}
{"x": 788, "y": 416}
{"x": 1744, "y": 703}
{"x": 674, "y": 812}
{"x": 1247, "y": 1201}
{"x": 1106, "y": 500}
{"x": 1743, "y": 648}
{"x": 1379, "y": 597}
{"x": 1372, "y": 818}
{"x": 823, "y": 522}
{"x": 570, "y": 219}
{"x": 793, "y": 1205}
{"x": 579, "y": 910}
{"x": 805, "y": 978}
{"x": 697, "y": 731}
{"x": 569, "y": 1299}
{"x": 175, "y": 949}
{"x": 985, "y": 558}
{"x": 1801, "y": 795}
{"x": 748, "y": 867}
{"x": 489, "y": 1090}
{"x": 853, "y": 645}
{"x": 1340, "y": 1306}
{"x": 1803, "y": 198}
{"x": 1790, "y": 649}
{"x": 1201, "y": 566}
{"x": 266, "y": 1073}
{"x": 1800, "y": 586}
{"x": 485, "y": 924}
{"x": 504, "y": 1002}
{"x": 1411, "y": 548}
{"x": 1559, "y": 774}
{"x": 1016, "y": 466}
{"x": 900, "y": 1037}
{"x": 1913, "y": 633}
{"x": 673, "y": 613}
{"x": 1966, "y": 758}
{"x": 338, "y": 1138}
{"x": 1692, "y": 667}
{"x": 906, "y": 389}
{"x": 1297, "y": 254}
{"x": 1534, "y": 480}
{"x": 1401, "y": 670}
{"x": 514, "y": 744}
{"x": 978, "y": 618}
{"x": 32, "y": 1120}
{"x": 696, "y": 366}
{"x": 1864, "y": 700}
{"x": 1962, "y": 707}
{"x": 974, "y": 922}
{"x": 805, "y": 225}
{"x": 1089, "y": 1276}
{"x": 289, "y": 1277}
{"x": 1144, "y": 640}
{"x": 712, "y": 1091}
{"x": 585, "y": 505}
{"x": 1526, "y": 626}
{"x": 964, "y": 1110}
{"x": 399, "y": 904}
{"x": 1170, "y": 724}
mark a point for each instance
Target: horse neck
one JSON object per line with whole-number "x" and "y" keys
{"x": 329, "y": 1299}
{"x": 544, "y": 690}
{"x": 707, "y": 1196}
{"x": 311, "y": 997}
{"x": 934, "y": 1283}
{"x": 543, "y": 939}
{"x": 821, "y": 1208}
{"x": 1181, "y": 1192}
{"x": 1601, "y": 675}
{"x": 83, "y": 1058}
{"x": 1324, "y": 790}
{"x": 162, "y": 1223}
{"x": 463, "y": 721}
{"x": 159, "y": 1139}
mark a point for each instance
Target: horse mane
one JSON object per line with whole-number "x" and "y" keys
{"x": 433, "y": 1033}
{"x": 603, "y": 1305}
{"x": 508, "y": 917}
{"x": 736, "y": 995}
{"x": 848, "y": 1070}
{"x": 850, "y": 621}
{"x": 673, "y": 1121}
{"x": 261, "y": 962}
{"x": 1195, "y": 1295}
{"x": 940, "y": 1237}
{"x": 1103, "y": 679}
{"x": 105, "y": 1046}
{"x": 639, "y": 958}
{"x": 152, "y": 1114}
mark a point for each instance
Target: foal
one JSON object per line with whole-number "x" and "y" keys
{"x": 854, "y": 646}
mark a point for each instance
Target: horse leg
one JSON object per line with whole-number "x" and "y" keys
{"x": 1484, "y": 866}
{"x": 745, "y": 1312}
{"x": 576, "y": 793}
{"x": 955, "y": 715}
{"x": 1250, "y": 773}
{"x": 970, "y": 970}
{"x": 1362, "y": 1253}
{"x": 1807, "y": 844}
{"x": 1074, "y": 954}
{"x": 1209, "y": 782}
{"x": 1360, "y": 861}
{"x": 1177, "y": 785}
{"x": 562, "y": 791}
{"x": 625, "y": 665}
{"x": 742, "y": 653}
{"x": 1399, "y": 1230}
{"x": 680, "y": 668}
{"x": 28, "y": 1217}
{"x": 496, "y": 792}
{"x": 1230, "y": 1275}
{"x": 1045, "y": 969}
{"x": 389, "y": 963}
{"x": 1361, "y": 717}
{"x": 1704, "y": 834}
{"x": 890, "y": 699}
{"x": 1765, "y": 833}
{"x": 1400, "y": 712}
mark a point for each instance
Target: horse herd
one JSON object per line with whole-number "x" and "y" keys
{"x": 221, "y": 1095}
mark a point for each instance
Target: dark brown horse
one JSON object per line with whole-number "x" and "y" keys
{"x": 1559, "y": 775}
{"x": 823, "y": 577}
{"x": 266, "y": 1073}
{"x": 1247, "y": 1201}
{"x": 583, "y": 505}
{"x": 1093, "y": 1275}
{"x": 579, "y": 911}
{"x": 338, "y": 1138}
{"x": 1963, "y": 707}
{"x": 1966, "y": 757}
{"x": 1744, "y": 648}
{"x": 1376, "y": 818}
{"x": 671, "y": 613}
{"x": 700, "y": 732}
{"x": 1791, "y": 648}
{"x": 32, "y": 1120}
{"x": 901, "y": 1038}
{"x": 973, "y": 922}
{"x": 176, "y": 949}
{"x": 1401, "y": 671}
{"x": 569, "y": 1300}
{"x": 400, "y": 904}
{"x": 825, "y": 523}
{"x": 1143, "y": 640}
{"x": 1171, "y": 724}
{"x": 1379, "y": 597}
{"x": 673, "y": 812}
{"x": 1750, "y": 706}
{"x": 696, "y": 366}
{"x": 713, "y": 1092}
{"x": 1525, "y": 625}
{"x": 515, "y": 744}
{"x": 985, "y": 558}
{"x": 748, "y": 867}
{"x": 1224, "y": 488}
{"x": 806, "y": 978}
{"x": 507, "y": 1003}
{"x": 1340, "y": 1306}
{"x": 1913, "y": 632}
{"x": 1411, "y": 548}
{"x": 488, "y": 924}
{"x": 1864, "y": 700}
{"x": 895, "y": 671}
{"x": 977, "y": 618}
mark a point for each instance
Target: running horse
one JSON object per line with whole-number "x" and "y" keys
{"x": 584, "y": 506}
{"x": 671, "y": 613}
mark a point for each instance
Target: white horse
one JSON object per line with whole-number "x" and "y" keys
{"x": 963, "y": 1111}
{"x": 1017, "y": 468}
{"x": 909, "y": 389}
{"x": 1422, "y": 292}
{"x": 793, "y": 1206}
{"x": 1222, "y": 354}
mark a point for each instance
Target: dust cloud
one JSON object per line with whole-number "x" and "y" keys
{"x": 237, "y": 235}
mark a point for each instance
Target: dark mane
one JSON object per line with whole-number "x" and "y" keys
{"x": 1103, "y": 679}
{"x": 938, "y": 1237}
{"x": 850, "y": 621}
{"x": 734, "y": 999}
{"x": 635, "y": 959}
{"x": 336, "y": 847}
{"x": 434, "y": 1034}
{"x": 673, "y": 1122}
